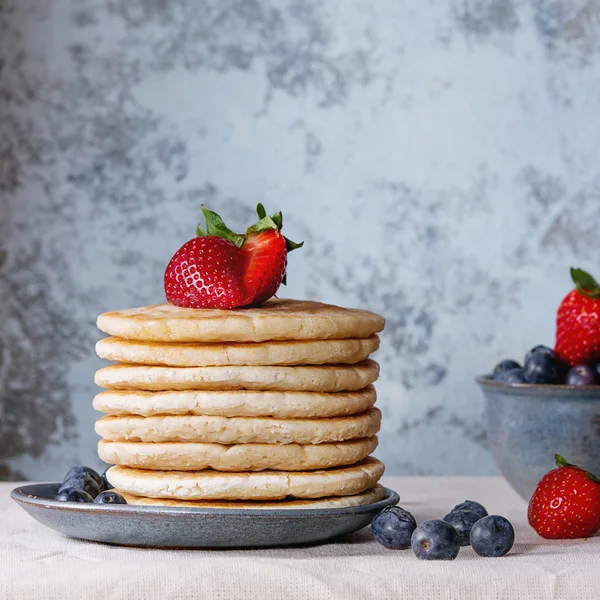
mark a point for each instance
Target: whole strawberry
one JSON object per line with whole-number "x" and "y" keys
{"x": 224, "y": 269}
{"x": 566, "y": 503}
{"x": 578, "y": 322}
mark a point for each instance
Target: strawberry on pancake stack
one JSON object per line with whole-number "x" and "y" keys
{"x": 225, "y": 396}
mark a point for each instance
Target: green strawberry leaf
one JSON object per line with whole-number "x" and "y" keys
{"x": 200, "y": 232}
{"x": 260, "y": 211}
{"x": 284, "y": 280}
{"x": 561, "y": 461}
{"x": 289, "y": 245}
{"x": 278, "y": 219}
{"x": 585, "y": 283}
{"x": 215, "y": 226}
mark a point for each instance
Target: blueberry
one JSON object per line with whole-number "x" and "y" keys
{"x": 512, "y": 376}
{"x": 106, "y": 485}
{"x": 541, "y": 349}
{"x": 110, "y": 498}
{"x": 392, "y": 527}
{"x": 462, "y": 521}
{"x": 83, "y": 478}
{"x": 581, "y": 375}
{"x": 492, "y": 536}
{"x": 505, "y": 365}
{"x": 73, "y": 495}
{"x": 435, "y": 540}
{"x": 81, "y": 482}
{"x": 542, "y": 365}
{"x": 473, "y": 506}
{"x": 78, "y": 471}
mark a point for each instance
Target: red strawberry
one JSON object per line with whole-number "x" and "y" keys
{"x": 223, "y": 269}
{"x": 206, "y": 272}
{"x": 566, "y": 503}
{"x": 265, "y": 260}
{"x": 578, "y": 322}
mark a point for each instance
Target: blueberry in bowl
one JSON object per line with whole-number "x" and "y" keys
{"x": 582, "y": 375}
{"x": 542, "y": 365}
{"x": 505, "y": 366}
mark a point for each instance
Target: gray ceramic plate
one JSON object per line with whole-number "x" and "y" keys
{"x": 175, "y": 527}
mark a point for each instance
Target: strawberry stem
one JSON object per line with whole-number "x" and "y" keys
{"x": 264, "y": 224}
{"x": 585, "y": 283}
{"x": 561, "y": 461}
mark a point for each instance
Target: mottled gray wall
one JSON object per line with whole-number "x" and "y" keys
{"x": 439, "y": 158}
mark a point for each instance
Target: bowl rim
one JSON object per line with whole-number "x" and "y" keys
{"x": 559, "y": 389}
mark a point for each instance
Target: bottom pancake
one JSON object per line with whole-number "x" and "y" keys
{"x": 187, "y": 456}
{"x": 263, "y": 485}
{"x": 374, "y": 494}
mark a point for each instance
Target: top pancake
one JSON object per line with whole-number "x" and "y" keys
{"x": 277, "y": 319}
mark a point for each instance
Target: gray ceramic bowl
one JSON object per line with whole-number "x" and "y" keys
{"x": 527, "y": 424}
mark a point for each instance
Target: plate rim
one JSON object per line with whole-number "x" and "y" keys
{"x": 24, "y": 498}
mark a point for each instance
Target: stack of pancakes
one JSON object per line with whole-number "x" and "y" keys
{"x": 264, "y": 407}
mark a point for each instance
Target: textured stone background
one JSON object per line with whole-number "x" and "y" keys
{"x": 440, "y": 159}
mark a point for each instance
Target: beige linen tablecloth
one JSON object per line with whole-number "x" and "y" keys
{"x": 36, "y": 562}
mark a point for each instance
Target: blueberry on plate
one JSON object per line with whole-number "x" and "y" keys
{"x": 581, "y": 375}
{"x": 84, "y": 478}
{"x": 512, "y": 376}
{"x": 492, "y": 536}
{"x": 435, "y": 540}
{"x": 542, "y": 365}
{"x": 106, "y": 485}
{"x": 473, "y": 506}
{"x": 505, "y": 365}
{"x": 81, "y": 481}
{"x": 73, "y": 495}
{"x": 462, "y": 521}
{"x": 81, "y": 471}
{"x": 393, "y": 527}
{"x": 110, "y": 497}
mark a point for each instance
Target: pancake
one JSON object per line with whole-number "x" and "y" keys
{"x": 303, "y": 352}
{"x": 374, "y": 494}
{"x": 183, "y": 456}
{"x": 238, "y": 430}
{"x": 276, "y": 319}
{"x": 264, "y": 485}
{"x": 330, "y": 378}
{"x": 241, "y": 403}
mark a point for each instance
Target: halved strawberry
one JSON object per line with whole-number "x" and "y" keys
{"x": 224, "y": 269}
{"x": 265, "y": 253}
